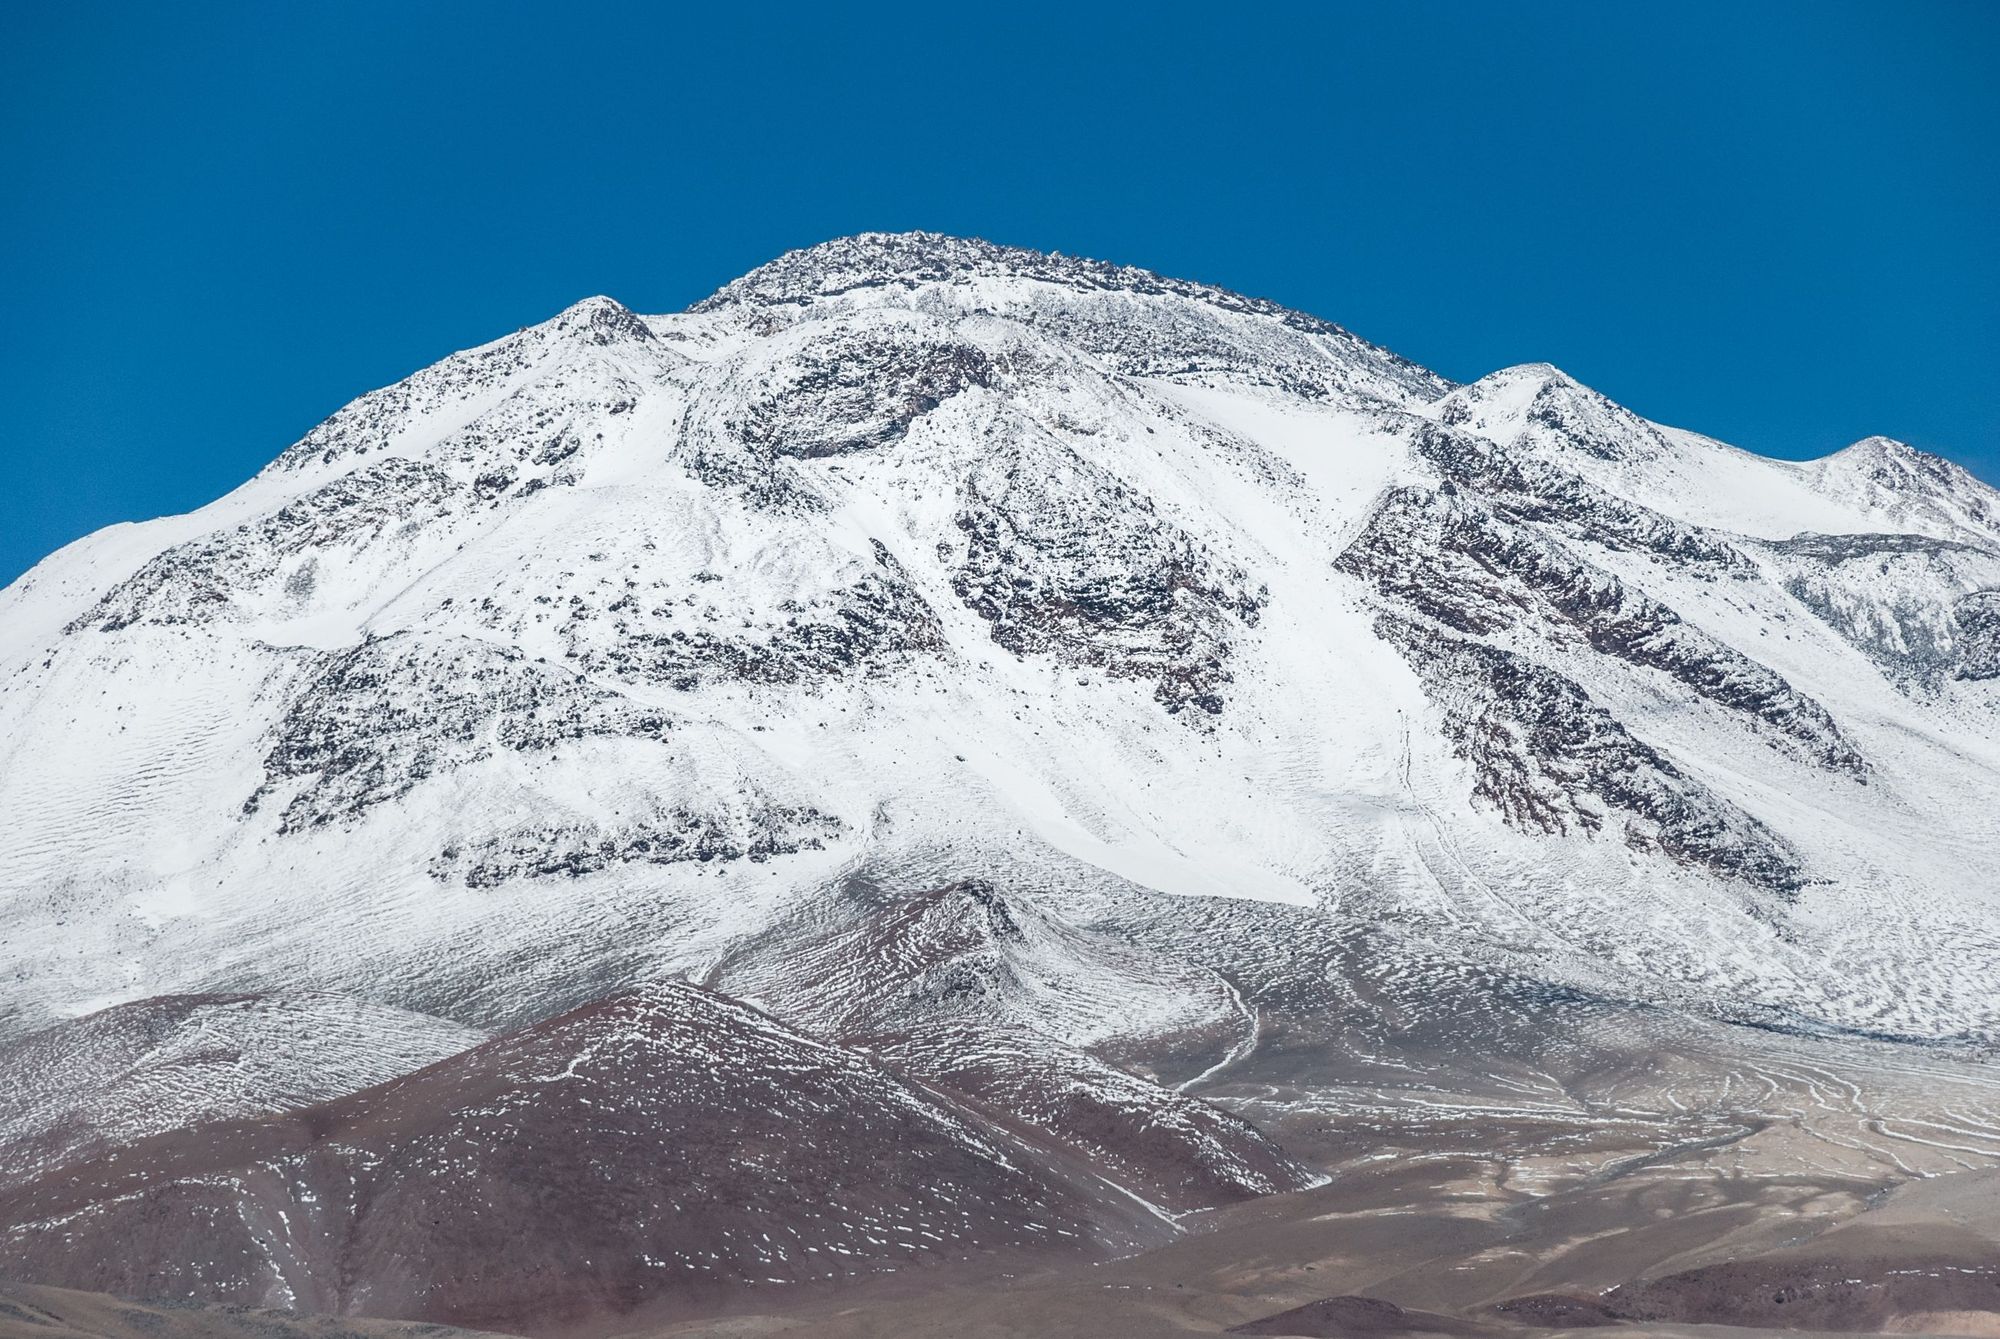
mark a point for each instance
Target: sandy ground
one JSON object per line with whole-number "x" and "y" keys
{"x": 1696, "y": 1240}
{"x": 28, "y": 1311}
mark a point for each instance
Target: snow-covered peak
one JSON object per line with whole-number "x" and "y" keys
{"x": 601, "y": 320}
{"x": 1139, "y": 322}
{"x": 909, "y": 259}
{"x": 1540, "y": 407}
{"x": 1909, "y": 490}
{"x": 1896, "y": 464}
{"x": 1877, "y": 485}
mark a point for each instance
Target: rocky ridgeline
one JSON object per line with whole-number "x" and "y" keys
{"x": 1536, "y": 489}
{"x": 1550, "y": 759}
{"x": 1452, "y": 559}
{"x": 1137, "y": 322}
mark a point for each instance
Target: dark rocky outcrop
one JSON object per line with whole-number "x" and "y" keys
{"x": 206, "y": 579}
{"x": 1063, "y": 559}
{"x": 754, "y": 829}
{"x": 1454, "y": 560}
{"x": 1355, "y": 1317}
{"x": 1550, "y": 759}
{"x": 376, "y": 720}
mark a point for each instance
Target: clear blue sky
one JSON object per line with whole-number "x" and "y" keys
{"x": 1775, "y": 223}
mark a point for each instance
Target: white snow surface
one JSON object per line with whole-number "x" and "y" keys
{"x": 592, "y": 654}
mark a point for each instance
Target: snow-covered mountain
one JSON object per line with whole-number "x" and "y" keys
{"x": 587, "y": 654}
{"x": 1033, "y": 673}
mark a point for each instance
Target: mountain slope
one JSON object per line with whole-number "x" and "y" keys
{"x": 82, "y": 1088}
{"x": 664, "y": 1147}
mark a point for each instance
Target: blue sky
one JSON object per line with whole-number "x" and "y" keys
{"x": 1774, "y": 223}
